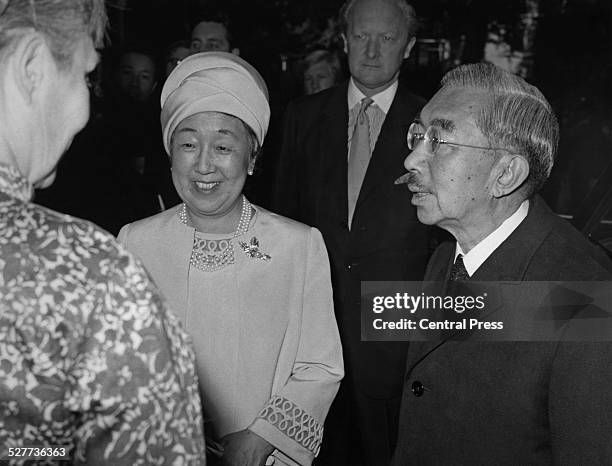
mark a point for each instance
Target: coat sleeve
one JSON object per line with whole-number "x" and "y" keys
{"x": 293, "y": 418}
{"x": 580, "y": 403}
{"x": 285, "y": 196}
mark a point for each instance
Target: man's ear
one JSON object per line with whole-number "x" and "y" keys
{"x": 512, "y": 173}
{"x": 409, "y": 46}
{"x": 236, "y": 51}
{"x": 345, "y": 44}
{"x": 29, "y": 64}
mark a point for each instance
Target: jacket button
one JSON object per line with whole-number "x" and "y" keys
{"x": 349, "y": 267}
{"x": 417, "y": 388}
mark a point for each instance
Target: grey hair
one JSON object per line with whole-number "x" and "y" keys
{"x": 410, "y": 17}
{"x": 516, "y": 116}
{"x": 61, "y": 22}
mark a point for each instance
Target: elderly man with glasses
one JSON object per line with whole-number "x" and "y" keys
{"x": 481, "y": 149}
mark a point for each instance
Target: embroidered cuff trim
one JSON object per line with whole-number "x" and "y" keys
{"x": 294, "y": 422}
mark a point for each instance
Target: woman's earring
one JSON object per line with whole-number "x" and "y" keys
{"x": 252, "y": 161}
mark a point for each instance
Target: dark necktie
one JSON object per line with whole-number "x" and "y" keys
{"x": 359, "y": 157}
{"x": 456, "y": 287}
{"x": 458, "y": 272}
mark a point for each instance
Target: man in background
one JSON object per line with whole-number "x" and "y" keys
{"x": 90, "y": 358}
{"x": 342, "y": 150}
{"x": 213, "y": 33}
{"x": 133, "y": 141}
{"x": 137, "y": 74}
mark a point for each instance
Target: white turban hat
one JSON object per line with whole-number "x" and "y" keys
{"x": 215, "y": 82}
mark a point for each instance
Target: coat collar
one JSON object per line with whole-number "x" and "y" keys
{"x": 521, "y": 245}
{"x": 334, "y": 151}
{"x": 13, "y": 184}
{"x": 174, "y": 241}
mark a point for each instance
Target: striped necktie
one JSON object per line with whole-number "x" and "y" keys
{"x": 359, "y": 157}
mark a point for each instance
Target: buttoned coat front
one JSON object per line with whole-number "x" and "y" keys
{"x": 509, "y": 403}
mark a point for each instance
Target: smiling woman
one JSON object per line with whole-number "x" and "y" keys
{"x": 253, "y": 288}
{"x": 212, "y": 153}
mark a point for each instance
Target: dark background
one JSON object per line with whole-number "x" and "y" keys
{"x": 569, "y": 59}
{"x": 566, "y": 47}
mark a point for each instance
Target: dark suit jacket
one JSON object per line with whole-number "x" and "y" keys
{"x": 386, "y": 241}
{"x": 512, "y": 402}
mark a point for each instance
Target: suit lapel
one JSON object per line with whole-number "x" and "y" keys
{"x": 391, "y": 149}
{"x": 332, "y": 131}
{"x": 436, "y": 278}
{"x": 508, "y": 262}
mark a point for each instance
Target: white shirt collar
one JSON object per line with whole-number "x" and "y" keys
{"x": 481, "y": 252}
{"x": 383, "y": 99}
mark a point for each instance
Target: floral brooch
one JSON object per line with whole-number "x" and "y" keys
{"x": 252, "y": 250}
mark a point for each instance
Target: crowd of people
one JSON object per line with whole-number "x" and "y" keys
{"x": 125, "y": 158}
{"x": 215, "y": 330}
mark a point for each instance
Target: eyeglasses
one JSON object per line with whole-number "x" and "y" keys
{"x": 433, "y": 141}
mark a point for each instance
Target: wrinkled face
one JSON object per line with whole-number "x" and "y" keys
{"x": 137, "y": 76}
{"x": 376, "y": 43}
{"x": 210, "y": 157}
{"x": 452, "y": 189}
{"x": 176, "y": 55}
{"x": 209, "y": 36}
{"x": 318, "y": 77}
{"x": 66, "y": 109}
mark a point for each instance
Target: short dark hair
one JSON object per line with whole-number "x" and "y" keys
{"x": 252, "y": 137}
{"x": 62, "y": 22}
{"x": 218, "y": 17}
{"x": 173, "y": 46}
{"x": 140, "y": 48}
{"x": 412, "y": 22}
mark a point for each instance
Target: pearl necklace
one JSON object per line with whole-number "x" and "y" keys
{"x": 204, "y": 253}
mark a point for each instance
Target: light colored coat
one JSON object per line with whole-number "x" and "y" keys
{"x": 288, "y": 304}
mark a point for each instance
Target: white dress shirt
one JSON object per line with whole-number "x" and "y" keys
{"x": 479, "y": 253}
{"x": 382, "y": 101}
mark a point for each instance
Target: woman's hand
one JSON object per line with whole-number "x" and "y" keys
{"x": 245, "y": 448}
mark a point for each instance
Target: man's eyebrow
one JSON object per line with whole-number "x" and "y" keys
{"x": 446, "y": 125}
